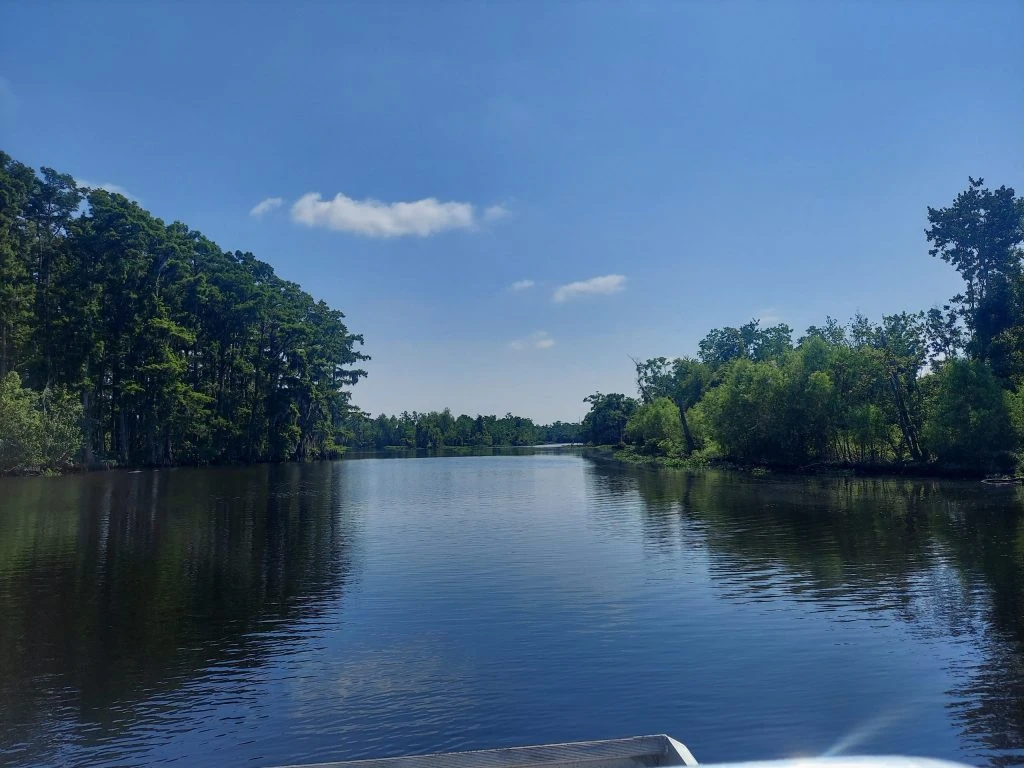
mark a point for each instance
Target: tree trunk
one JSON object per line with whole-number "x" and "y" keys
{"x": 88, "y": 452}
{"x": 906, "y": 426}
{"x": 3, "y": 350}
{"x": 687, "y": 435}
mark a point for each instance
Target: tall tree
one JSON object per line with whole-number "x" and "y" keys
{"x": 605, "y": 423}
{"x": 16, "y": 289}
{"x": 683, "y": 381}
{"x": 981, "y": 235}
{"x": 179, "y": 351}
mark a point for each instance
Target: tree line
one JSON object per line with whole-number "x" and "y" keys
{"x": 945, "y": 385}
{"x": 436, "y": 430}
{"x": 128, "y": 341}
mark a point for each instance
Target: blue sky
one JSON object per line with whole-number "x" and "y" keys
{"x": 711, "y": 162}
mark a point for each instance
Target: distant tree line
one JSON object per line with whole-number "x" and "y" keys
{"x": 128, "y": 341}
{"x": 945, "y": 385}
{"x": 435, "y": 430}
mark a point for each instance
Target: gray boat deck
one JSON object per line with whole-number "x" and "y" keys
{"x": 614, "y": 753}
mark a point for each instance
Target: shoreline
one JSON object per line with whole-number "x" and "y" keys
{"x": 391, "y": 452}
{"x": 609, "y": 454}
{"x": 622, "y": 456}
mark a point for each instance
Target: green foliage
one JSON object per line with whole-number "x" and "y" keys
{"x": 742, "y": 412}
{"x": 981, "y": 234}
{"x": 890, "y": 392}
{"x": 16, "y": 183}
{"x": 436, "y": 430}
{"x": 656, "y": 428}
{"x": 969, "y": 418}
{"x": 1015, "y": 404}
{"x": 178, "y": 351}
{"x": 20, "y": 426}
{"x": 561, "y": 432}
{"x": 749, "y": 342}
{"x": 861, "y": 394}
{"x": 777, "y": 411}
{"x": 682, "y": 380}
{"x": 38, "y": 430}
{"x": 605, "y": 423}
{"x": 849, "y": 395}
{"x": 166, "y": 349}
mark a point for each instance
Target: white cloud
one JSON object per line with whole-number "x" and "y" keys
{"x": 496, "y": 212}
{"x": 538, "y": 340}
{"x": 603, "y": 286}
{"x": 769, "y": 317}
{"x": 266, "y": 206}
{"x": 522, "y": 285}
{"x": 375, "y": 218}
{"x": 372, "y": 218}
{"x": 114, "y": 189}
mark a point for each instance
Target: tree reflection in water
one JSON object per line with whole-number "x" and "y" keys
{"x": 946, "y": 557}
{"x": 116, "y": 589}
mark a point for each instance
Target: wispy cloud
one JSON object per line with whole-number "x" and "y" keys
{"x": 538, "y": 340}
{"x": 373, "y": 218}
{"x": 266, "y": 206}
{"x": 595, "y": 286}
{"x": 769, "y": 317}
{"x": 114, "y": 189}
{"x": 496, "y": 212}
{"x": 522, "y": 285}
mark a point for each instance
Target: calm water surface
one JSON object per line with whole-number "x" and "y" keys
{"x": 376, "y": 607}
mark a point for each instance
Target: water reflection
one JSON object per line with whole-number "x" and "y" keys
{"x": 285, "y": 614}
{"x": 947, "y": 558}
{"x": 119, "y": 587}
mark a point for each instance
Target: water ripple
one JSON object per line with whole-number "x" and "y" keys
{"x": 370, "y": 608}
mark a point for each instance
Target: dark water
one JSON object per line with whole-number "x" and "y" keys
{"x": 376, "y": 607}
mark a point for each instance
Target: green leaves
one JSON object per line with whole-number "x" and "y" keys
{"x": 181, "y": 351}
{"x": 981, "y": 234}
{"x": 656, "y": 428}
{"x": 749, "y": 341}
{"x": 440, "y": 429}
{"x": 969, "y": 418}
{"x": 605, "y": 424}
{"x": 38, "y": 430}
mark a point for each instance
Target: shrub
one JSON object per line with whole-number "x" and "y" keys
{"x": 38, "y": 430}
{"x": 655, "y": 428}
{"x": 969, "y": 418}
